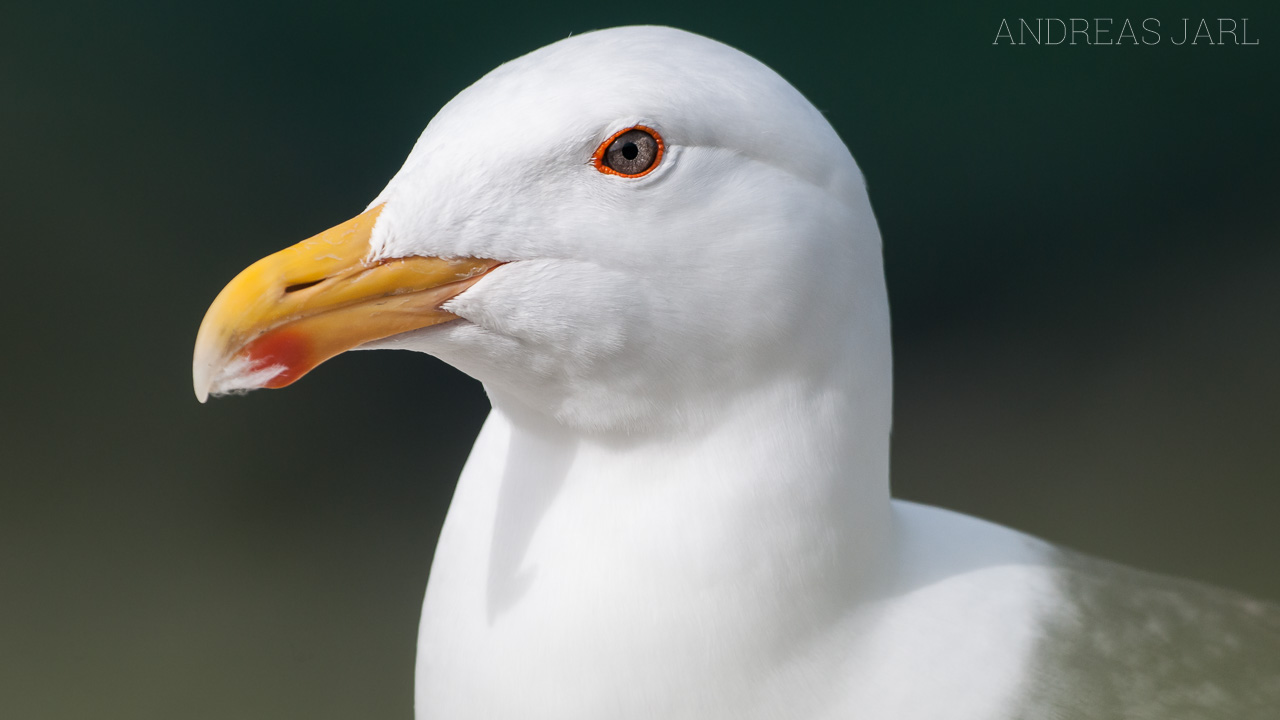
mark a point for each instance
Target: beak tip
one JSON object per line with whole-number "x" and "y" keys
{"x": 200, "y": 379}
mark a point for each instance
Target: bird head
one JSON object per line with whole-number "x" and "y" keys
{"x": 621, "y": 230}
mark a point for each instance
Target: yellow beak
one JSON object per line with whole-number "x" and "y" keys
{"x": 291, "y": 311}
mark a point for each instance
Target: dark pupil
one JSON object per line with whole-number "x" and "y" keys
{"x": 630, "y": 151}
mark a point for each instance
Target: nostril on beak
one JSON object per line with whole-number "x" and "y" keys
{"x": 302, "y": 286}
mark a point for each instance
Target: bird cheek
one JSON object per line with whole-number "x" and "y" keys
{"x": 576, "y": 311}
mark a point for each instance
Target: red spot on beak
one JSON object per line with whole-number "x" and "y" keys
{"x": 286, "y": 348}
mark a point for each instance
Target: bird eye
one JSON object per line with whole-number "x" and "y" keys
{"x": 629, "y": 153}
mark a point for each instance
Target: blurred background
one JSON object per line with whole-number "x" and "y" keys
{"x": 1082, "y": 258}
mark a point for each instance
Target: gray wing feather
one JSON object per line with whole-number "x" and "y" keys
{"x": 1135, "y": 645}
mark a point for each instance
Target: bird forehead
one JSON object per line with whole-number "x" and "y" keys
{"x": 582, "y": 87}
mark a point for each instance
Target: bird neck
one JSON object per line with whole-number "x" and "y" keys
{"x": 781, "y": 504}
{"x": 669, "y": 562}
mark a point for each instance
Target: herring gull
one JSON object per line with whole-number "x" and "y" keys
{"x": 662, "y": 263}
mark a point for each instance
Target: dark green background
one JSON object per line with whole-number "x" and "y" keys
{"x": 1082, "y": 257}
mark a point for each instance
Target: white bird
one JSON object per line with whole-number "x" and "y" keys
{"x": 662, "y": 263}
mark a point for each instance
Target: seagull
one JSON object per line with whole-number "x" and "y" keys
{"x": 663, "y": 265}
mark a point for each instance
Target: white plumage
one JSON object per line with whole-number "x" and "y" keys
{"x": 679, "y": 506}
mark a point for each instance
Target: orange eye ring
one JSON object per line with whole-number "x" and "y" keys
{"x": 598, "y": 158}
